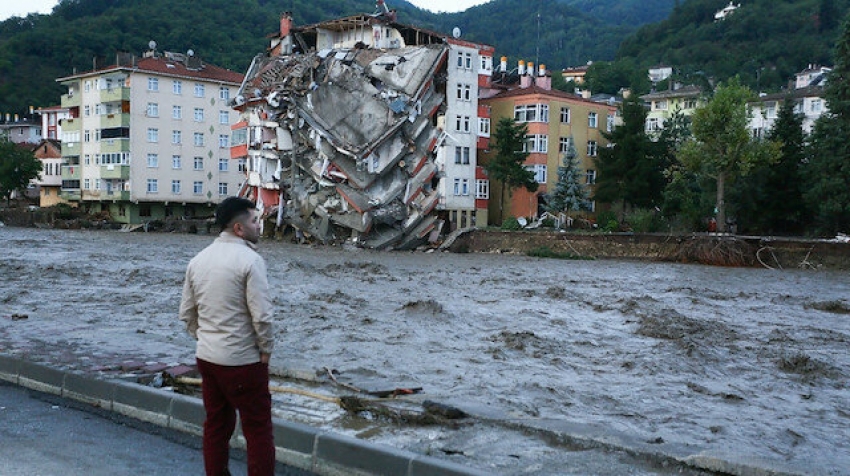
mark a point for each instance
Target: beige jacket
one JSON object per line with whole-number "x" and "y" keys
{"x": 226, "y": 304}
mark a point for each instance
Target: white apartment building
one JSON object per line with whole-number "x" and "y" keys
{"x": 149, "y": 137}
{"x": 807, "y": 95}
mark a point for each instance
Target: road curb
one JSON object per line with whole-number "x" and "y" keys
{"x": 297, "y": 445}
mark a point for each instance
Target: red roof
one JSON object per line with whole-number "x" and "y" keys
{"x": 177, "y": 68}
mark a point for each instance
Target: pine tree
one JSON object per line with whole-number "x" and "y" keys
{"x": 506, "y": 167}
{"x": 570, "y": 195}
{"x": 828, "y": 176}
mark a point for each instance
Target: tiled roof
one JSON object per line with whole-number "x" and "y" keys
{"x": 683, "y": 92}
{"x": 534, "y": 89}
{"x": 171, "y": 67}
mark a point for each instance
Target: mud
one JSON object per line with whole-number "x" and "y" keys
{"x": 747, "y": 363}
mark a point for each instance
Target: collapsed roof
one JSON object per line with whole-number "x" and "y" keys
{"x": 349, "y": 137}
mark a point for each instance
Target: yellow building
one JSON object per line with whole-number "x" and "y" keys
{"x": 554, "y": 118}
{"x": 663, "y": 104}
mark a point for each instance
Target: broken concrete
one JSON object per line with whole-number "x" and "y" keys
{"x": 350, "y": 136}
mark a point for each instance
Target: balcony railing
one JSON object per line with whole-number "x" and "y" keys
{"x": 70, "y": 195}
{"x": 71, "y": 100}
{"x": 72, "y": 125}
{"x": 114, "y": 95}
{"x": 108, "y": 121}
{"x": 108, "y": 146}
{"x": 71, "y": 172}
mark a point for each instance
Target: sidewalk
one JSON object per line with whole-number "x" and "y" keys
{"x": 43, "y": 434}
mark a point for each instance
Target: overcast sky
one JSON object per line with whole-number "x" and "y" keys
{"x": 21, "y": 8}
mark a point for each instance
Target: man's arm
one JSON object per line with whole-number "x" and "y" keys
{"x": 260, "y": 307}
{"x": 189, "y": 307}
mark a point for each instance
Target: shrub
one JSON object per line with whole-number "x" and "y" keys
{"x": 511, "y": 224}
{"x": 645, "y": 220}
{"x": 548, "y": 223}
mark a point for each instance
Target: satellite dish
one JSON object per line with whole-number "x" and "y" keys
{"x": 456, "y": 32}
{"x": 152, "y": 45}
{"x": 190, "y": 53}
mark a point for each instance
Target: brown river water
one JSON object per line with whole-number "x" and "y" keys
{"x": 744, "y": 364}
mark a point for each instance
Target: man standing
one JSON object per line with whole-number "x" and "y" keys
{"x": 226, "y": 307}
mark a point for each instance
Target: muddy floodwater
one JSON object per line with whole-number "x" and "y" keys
{"x": 745, "y": 364}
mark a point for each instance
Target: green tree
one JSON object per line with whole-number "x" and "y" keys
{"x": 17, "y": 167}
{"x": 722, "y": 147}
{"x": 506, "y": 167}
{"x": 570, "y": 195}
{"x": 630, "y": 170}
{"x": 770, "y": 201}
{"x": 828, "y": 175}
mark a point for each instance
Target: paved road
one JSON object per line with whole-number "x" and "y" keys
{"x": 44, "y": 435}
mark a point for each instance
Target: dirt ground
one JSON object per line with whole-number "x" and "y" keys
{"x": 745, "y": 364}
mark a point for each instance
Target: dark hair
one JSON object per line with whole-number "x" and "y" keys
{"x": 230, "y": 208}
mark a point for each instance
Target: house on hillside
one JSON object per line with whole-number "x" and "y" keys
{"x": 49, "y": 181}
{"x": 21, "y": 130}
{"x": 664, "y": 104}
{"x": 149, "y": 137}
{"x": 575, "y": 74}
{"x": 807, "y": 93}
{"x": 726, "y": 11}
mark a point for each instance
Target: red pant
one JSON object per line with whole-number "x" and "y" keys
{"x": 244, "y": 388}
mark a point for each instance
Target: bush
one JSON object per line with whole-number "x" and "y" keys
{"x": 548, "y": 223}
{"x": 645, "y": 220}
{"x": 511, "y": 224}
{"x": 607, "y": 221}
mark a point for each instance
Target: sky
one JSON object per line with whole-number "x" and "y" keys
{"x": 21, "y": 8}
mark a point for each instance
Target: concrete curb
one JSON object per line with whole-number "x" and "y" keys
{"x": 297, "y": 445}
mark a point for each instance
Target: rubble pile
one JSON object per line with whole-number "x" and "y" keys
{"x": 348, "y": 139}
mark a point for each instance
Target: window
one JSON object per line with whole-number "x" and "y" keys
{"x": 690, "y": 103}
{"x": 199, "y": 115}
{"x": 467, "y": 61}
{"x": 564, "y": 144}
{"x": 223, "y": 141}
{"x": 466, "y": 124}
{"x": 591, "y": 148}
{"x": 176, "y": 137}
{"x": 466, "y": 156}
{"x": 153, "y": 160}
{"x": 539, "y": 172}
{"x": 96, "y": 159}
{"x": 817, "y": 105}
{"x": 458, "y": 154}
{"x": 462, "y": 155}
{"x": 592, "y": 120}
{"x": 153, "y": 135}
{"x": 531, "y": 113}
{"x": 222, "y": 188}
{"x": 223, "y": 117}
{"x": 175, "y": 187}
{"x": 484, "y": 126}
{"x": 459, "y": 59}
{"x": 87, "y": 86}
{"x": 87, "y": 159}
{"x": 482, "y": 189}
{"x": 199, "y": 139}
{"x": 242, "y": 165}
{"x": 177, "y": 87}
{"x": 653, "y": 124}
{"x": 86, "y": 184}
{"x": 467, "y": 92}
{"x": 153, "y": 109}
{"x": 609, "y": 123}
{"x": 758, "y": 132}
{"x": 153, "y": 185}
{"x": 536, "y": 143}
{"x": 224, "y": 93}
{"x": 565, "y": 115}
{"x": 176, "y": 162}
{"x": 153, "y": 84}
{"x": 199, "y": 90}
{"x": 770, "y": 110}
{"x": 87, "y": 136}
{"x": 464, "y": 187}
{"x": 87, "y": 110}
{"x": 197, "y": 187}
{"x": 199, "y": 163}
{"x": 456, "y": 190}
{"x": 486, "y": 63}
{"x": 462, "y": 123}
{"x": 176, "y": 112}
{"x": 590, "y": 177}
{"x": 222, "y": 164}
{"x": 97, "y": 134}
{"x": 660, "y": 105}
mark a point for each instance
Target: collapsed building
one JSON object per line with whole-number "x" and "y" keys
{"x": 343, "y": 130}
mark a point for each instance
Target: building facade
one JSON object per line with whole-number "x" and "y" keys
{"x": 49, "y": 181}
{"x": 149, "y": 137}
{"x": 555, "y": 121}
{"x": 807, "y": 94}
{"x": 664, "y": 104}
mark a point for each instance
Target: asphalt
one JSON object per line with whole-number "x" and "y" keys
{"x": 44, "y": 434}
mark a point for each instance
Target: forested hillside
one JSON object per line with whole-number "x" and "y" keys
{"x": 35, "y": 50}
{"x": 764, "y": 41}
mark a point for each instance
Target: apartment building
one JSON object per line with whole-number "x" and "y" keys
{"x": 555, "y": 120}
{"x": 806, "y": 90}
{"x": 664, "y": 104}
{"x": 149, "y": 137}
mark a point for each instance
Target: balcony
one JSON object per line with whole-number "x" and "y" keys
{"x": 110, "y": 146}
{"x": 115, "y": 171}
{"x": 70, "y": 195}
{"x": 72, "y": 125}
{"x": 116, "y": 195}
{"x": 109, "y": 121}
{"x": 114, "y": 95}
{"x": 71, "y": 172}
{"x": 71, "y": 100}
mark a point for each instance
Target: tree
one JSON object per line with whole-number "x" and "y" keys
{"x": 570, "y": 195}
{"x": 506, "y": 166}
{"x": 722, "y": 147}
{"x": 828, "y": 176}
{"x": 771, "y": 199}
{"x": 17, "y": 167}
{"x": 630, "y": 170}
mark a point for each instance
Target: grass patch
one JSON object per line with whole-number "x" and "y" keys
{"x": 546, "y": 252}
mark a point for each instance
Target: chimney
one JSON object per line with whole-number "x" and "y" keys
{"x": 530, "y": 69}
{"x": 285, "y": 24}
{"x": 17, "y": 118}
{"x": 542, "y": 70}
{"x": 585, "y": 93}
{"x": 504, "y": 64}
{"x": 543, "y": 80}
{"x": 521, "y": 68}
